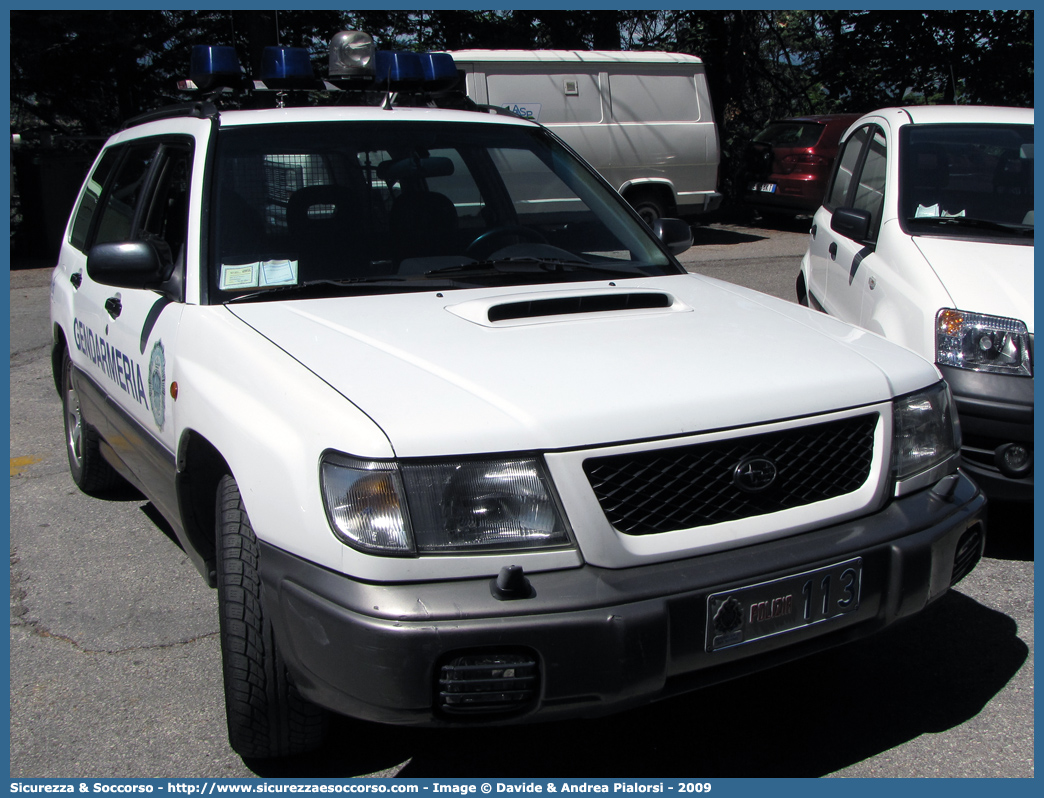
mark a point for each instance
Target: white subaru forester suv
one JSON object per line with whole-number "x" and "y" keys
{"x": 453, "y": 434}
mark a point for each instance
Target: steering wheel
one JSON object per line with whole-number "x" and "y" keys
{"x": 483, "y": 244}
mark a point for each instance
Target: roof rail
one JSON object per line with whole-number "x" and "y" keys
{"x": 201, "y": 109}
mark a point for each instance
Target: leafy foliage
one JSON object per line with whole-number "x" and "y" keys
{"x": 76, "y": 75}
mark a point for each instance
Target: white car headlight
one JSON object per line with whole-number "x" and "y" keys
{"x": 441, "y": 507}
{"x": 926, "y": 434}
{"x": 982, "y": 343}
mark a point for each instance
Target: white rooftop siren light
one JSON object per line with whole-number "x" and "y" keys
{"x": 351, "y": 55}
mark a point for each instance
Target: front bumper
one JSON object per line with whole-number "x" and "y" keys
{"x": 602, "y": 640}
{"x": 996, "y": 411}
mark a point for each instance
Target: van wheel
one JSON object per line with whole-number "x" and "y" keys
{"x": 649, "y": 204}
{"x": 90, "y": 471}
{"x": 266, "y": 715}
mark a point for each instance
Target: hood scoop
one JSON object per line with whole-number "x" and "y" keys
{"x": 548, "y": 306}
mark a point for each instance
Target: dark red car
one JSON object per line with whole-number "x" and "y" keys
{"x": 789, "y": 163}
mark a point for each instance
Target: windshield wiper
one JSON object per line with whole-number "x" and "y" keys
{"x": 529, "y": 265}
{"x": 972, "y": 222}
{"x": 317, "y": 287}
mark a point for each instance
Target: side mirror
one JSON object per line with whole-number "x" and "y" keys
{"x": 674, "y": 233}
{"x": 851, "y": 223}
{"x": 130, "y": 264}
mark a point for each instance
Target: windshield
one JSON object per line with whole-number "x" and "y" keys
{"x": 967, "y": 180}
{"x": 411, "y": 206}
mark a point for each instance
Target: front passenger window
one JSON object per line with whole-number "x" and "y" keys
{"x": 92, "y": 192}
{"x": 847, "y": 165}
{"x": 117, "y": 220}
{"x": 869, "y": 195}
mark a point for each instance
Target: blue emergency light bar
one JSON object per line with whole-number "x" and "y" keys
{"x": 287, "y": 68}
{"x": 215, "y": 66}
{"x": 354, "y": 64}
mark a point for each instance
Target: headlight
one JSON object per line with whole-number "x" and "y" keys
{"x": 441, "y": 507}
{"x": 926, "y": 431}
{"x": 982, "y": 343}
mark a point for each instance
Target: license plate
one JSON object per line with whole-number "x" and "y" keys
{"x": 793, "y": 602}
{"x": 768, "y": 188}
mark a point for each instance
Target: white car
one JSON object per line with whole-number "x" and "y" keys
{"x": 456, "y": 438}
{"x": 926, "y": 237}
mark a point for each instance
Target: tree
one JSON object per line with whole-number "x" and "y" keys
{"x": 76, "y": 75}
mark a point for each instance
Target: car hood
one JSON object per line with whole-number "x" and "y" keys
{"x": 440, "y": 378}
{"x": 982, "y": 276}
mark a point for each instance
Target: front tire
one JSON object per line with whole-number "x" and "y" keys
{"x": 89, "y": 470}
{"x": 267, "y": 717}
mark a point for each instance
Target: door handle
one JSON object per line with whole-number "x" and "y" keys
{"x": 814, "y": 230}
{"x": 832, "y": 249}
{"x": 76, "y": 278}
{"x": 113, "y": 306}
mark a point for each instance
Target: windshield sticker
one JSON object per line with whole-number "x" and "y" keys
{"x": 237, "y": 276}
{"x": 158, "y": 383}
{"x": 932, "y": 212}
{"x": 110, "y": 361}
{"x": 279, "y": 272}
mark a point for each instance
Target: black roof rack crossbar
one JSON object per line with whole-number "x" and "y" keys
{"x": 201, "y": 109}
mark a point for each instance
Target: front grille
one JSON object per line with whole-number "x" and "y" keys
{"x": 488, "y": 683}
{"x": 692, "y": 486}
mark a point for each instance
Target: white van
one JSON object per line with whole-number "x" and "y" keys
{"x": 643, "y": 119}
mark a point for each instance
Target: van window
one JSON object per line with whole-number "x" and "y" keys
{"x": 553, "y": 98}
{"x": 654, "y": 98}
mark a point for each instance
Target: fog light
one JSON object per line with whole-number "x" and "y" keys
{"x": 1014, "y": 460}
{"x": 488, "y": 683}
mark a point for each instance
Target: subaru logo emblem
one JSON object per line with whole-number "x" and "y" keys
{"x": 754, "y": 474}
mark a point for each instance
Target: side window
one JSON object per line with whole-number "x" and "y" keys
{"x": 654, "y": 98}
{"x": 117, "y": 215}
{"x": 869, "y": 193}
{"x": 166, "y": 218}
{"x": 847, "y": 164}
{"x": 92, "y": 192}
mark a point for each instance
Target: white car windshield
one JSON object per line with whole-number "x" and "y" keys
{"x": 962, "y": 180}
{"x": 327, "y": 207}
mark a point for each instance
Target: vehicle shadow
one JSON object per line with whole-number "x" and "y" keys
{"x": 724, "y": 236}
{"x": 804, "y": 719}
{"x": 1009, "y": 533}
